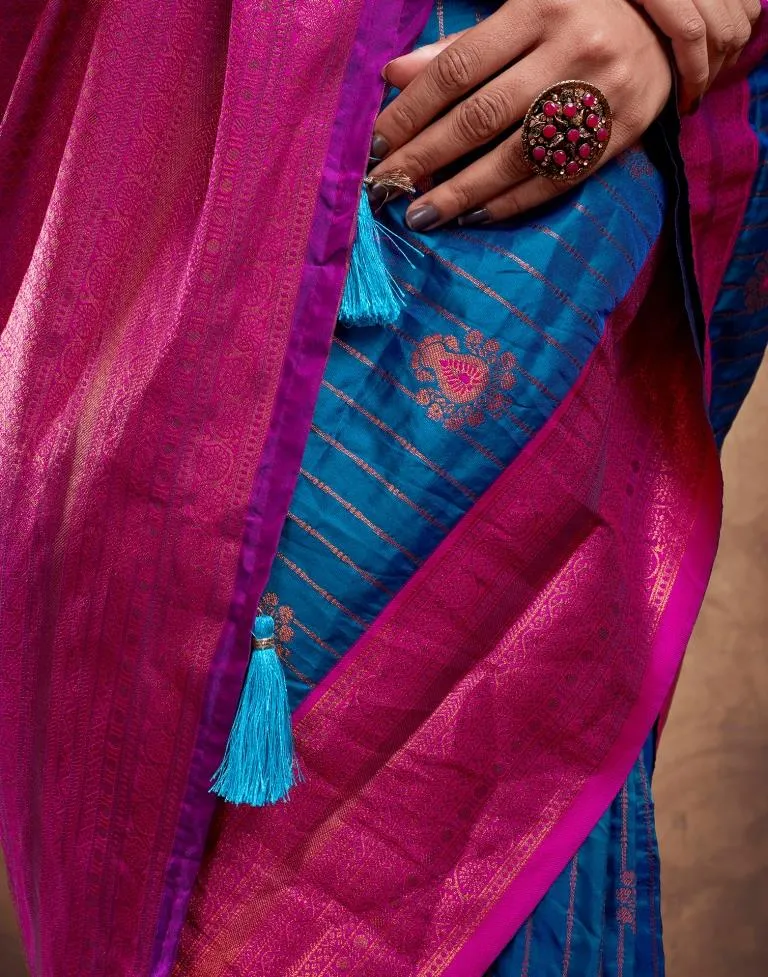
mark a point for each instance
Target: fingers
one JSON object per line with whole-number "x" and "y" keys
{"x": 477, "y": 120}
{"x": 684, "y": 25}
{"x": 705, "y": 36}
{"x": 477, "y": 55}
{"x": 484, "y": 180}
{"x": 401, "y": 72}
{"x": 743, "y": 16}
{"x": 501, "y": 184}
{"x": 535, "y": 190}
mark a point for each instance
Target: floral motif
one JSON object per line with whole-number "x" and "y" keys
{"x": 466, "y": 384}
{"x": 283, "y": 617}
{"x": 756, "y": 291}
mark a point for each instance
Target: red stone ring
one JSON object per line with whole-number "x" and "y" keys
{"x": 566, "y": 130}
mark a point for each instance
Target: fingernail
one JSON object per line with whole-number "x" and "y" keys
{"x": 479, "y": 216}
{"x": 379, "y": 147}
{"x": 377, "y": 194}
{"x": 422, "y": 218}
{"x": 385, "y": 71}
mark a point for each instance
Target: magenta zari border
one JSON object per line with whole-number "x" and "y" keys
{"x": 675, "y": 629}
{"x": 380, "y": 36}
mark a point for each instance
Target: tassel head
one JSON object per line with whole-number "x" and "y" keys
{"x": 371, "y": 295}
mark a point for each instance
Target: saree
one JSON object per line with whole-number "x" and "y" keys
{"x": 484, "y": 532}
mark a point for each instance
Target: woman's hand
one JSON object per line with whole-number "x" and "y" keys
{"x": 470, "y": 90}
{"x": 706, "y": 36}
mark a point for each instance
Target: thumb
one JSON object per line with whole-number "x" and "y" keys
{"x": 403, "y": 70}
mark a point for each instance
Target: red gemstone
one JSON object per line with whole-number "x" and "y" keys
{"x": 602, "y": 135}
{"x": 559, "y": 157}
{"x": 589, "y": 99}
{"x": 572, "y": 168}
{"x": 585, "y": 150}
{"x": 550, "y": 108}
{"x": 593, "y": 121}
{"x": 539, "y": 153}
{"x": 549, "y": 131}
{"x": 569, "y": 110}
{"x": 573, "y": 135}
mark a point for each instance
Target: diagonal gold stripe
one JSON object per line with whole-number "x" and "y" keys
{"x": 299, "y": 675}
{"x": 339, "y": 554}
{"x": 302, "y": 575}
{"x": 316, "y": 638}
{"x": 614, "y": 242}
{"x": 403, "y": 442}
{"x": 575, "y": 253}
{"x": 318, "y": 483}
{"x": 486, "y": 290}
{"x": 426, "y": 516}
{"x": 446, "y": 314}
{"x": 532, "y": 271}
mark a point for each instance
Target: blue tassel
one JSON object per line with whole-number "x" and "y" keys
{"x": 371, "y": 295}
{"x": 259, "y": 765}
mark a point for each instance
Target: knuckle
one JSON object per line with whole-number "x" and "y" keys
{"x": 509, "y": 161}
{"x": 455, "y": 68}
{"x": 558, "y": 7}
{"x": 622, "y": 76}
{"x": 403, "y": 117}
{"x": 743, "y": 34}
{"x": 597, "y": 45}
{"x": 463, "y": 196}
{"x": 724, "y": 41}
{"x": 692, "y": 30}
{"x": 418, "y": 163}
{"x": 480, "y": 117}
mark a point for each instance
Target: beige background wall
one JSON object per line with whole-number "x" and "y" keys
{"x": 712, "y": 781}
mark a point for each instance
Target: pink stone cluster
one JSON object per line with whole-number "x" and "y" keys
{"x": 567, "y": 133}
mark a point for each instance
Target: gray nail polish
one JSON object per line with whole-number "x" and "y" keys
{"x": 479, "y": 216}
{"x": 422, "y": 218}
{"x": 377, "y": 194}
{"x": 379, "y": 147}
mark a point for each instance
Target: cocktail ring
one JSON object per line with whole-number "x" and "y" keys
{"x": 566, "y": 130}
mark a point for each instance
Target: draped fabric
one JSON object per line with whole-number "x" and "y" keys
{"x": 503, "y": 508}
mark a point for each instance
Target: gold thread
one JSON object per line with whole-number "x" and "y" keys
{"x": 303, "y": 575}
{"x": 494, "y": 296}
{"x": 339, "y": 554}
{"x": 317, "y": 639}
{"x": 318, "y": 483}
{"x": 426, "y": 516}
{"x": 261, "y": 644}
{"x": 532, "y": 271}
{"x": 403, "y": 442}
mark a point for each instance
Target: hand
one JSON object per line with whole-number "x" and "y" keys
{"x": 469, "y": 90}
{"x": 706, "y": 36}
